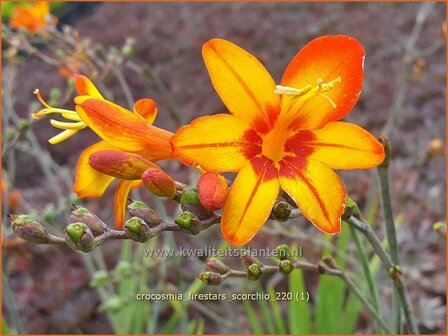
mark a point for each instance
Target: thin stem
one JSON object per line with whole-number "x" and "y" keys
{"x": 367, "y": 273}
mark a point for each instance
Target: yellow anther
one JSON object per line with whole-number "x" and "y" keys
{"x": 62, "y": 136}
{"x": 68, "y": 126}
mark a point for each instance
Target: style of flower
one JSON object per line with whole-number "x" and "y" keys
{"x": 282, "y": 136}
{"x": 32, "y": 17}
{"x": 129, "y": 145}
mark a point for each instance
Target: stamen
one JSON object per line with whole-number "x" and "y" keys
{"x": 39, "y": 96}
{"x": 332, "y": 103}
{"x": 62, "y": 136}
{"x": 68, "y": 126}
{"x": 286, "y": 90}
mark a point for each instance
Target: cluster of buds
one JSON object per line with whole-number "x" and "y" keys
{"x": 218, "y": 271}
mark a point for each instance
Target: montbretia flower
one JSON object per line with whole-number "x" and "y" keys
{"x": 32, "y": 17}
{"x": 282, "y": 136}
{"x": 129, "y": 147}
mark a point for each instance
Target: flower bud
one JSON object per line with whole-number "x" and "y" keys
{"x": 188, "y": 222}
{"x": 210, "y": 278}
{"x": 26, "y": 227}
{"x": 212, "y": 191}
{"x": 123, "y": 269}
{"x": 95, "y": 224}
{"x": 249, "y": 260}
{"x": 126, "y": 166}
{"x": 141, "y": 210}
{"x": 285, "y": 266}
{"x": 254, "y": 272}
{"x": 99, "y": 278}
{"x": 190, "y": 202}
{"x": 79, "y": 237}
{"x": 351, "y": 209}
{"x": 113, "y": 304}
{"x": 216, "y": 265}
{"x": 281, "y": 211}
{"x": 159, "y": 183}
{"x": 136, "y": 229}
{"x": 283, "y": 251}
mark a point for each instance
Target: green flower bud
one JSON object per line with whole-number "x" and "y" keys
{"x": 26, "y": 227}
{"x": 281, "y": 211}
{"x": 84, "y": 215}
{"x": 216, "y": 265}
{"x": 189, "y": 201}
{"x": 254, "y": 272}
{"x": 141, "y": 210}
{"x": 79, "y": 237}
{"x": 9, "y": 133}
{"x": 123, "y": 269}
{"x": 351, "y": 209}
{"x": 99, "y": 278}
{"x": 210, "y": 278}
{"x": 190, "y": 196}
{"x": 249, "y": 260}
{"x": 113, "y": 304}
{"x": 185, "y": 220}
{"x": 24, "y": 124}
{"x": 285, "y": 266}
{"x": 439, "y": 226}
{"x": 55, "y": 94}
{"x": 283, "y": 251}
{"x": 49, "y": 213}
{"x": 136, "y": 229}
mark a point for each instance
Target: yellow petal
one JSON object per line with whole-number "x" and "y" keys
{"x": 250, "y": 201}
{"x": 88, "y": 181}
{"x": 123, "y": 128}
{"x": 243, "y": 84}
{"x": 339, "y": 145}
{"x": 85, "y": 87}
{"x": 317, "y": 191}
{"x": 217, "y": 143}
{"x": 147, "y": 109}
{"x": 121, "y": 198}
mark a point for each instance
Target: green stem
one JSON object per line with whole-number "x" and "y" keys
{"x": 368, "y": 274}
{"x": 391, "y": 269}
{"x": 391, "y": 234}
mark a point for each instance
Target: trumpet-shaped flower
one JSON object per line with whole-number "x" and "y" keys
{"x": 282, "y": 136}
{"x": 128, "y": 147}
{"x": 32, "y": 17}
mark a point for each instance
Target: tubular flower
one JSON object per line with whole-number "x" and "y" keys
{"x": 32, "y": 17}
{"x": 128, "y": 147}
{"x": 282, "y": 136}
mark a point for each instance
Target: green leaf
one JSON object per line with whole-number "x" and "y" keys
{"x": 267, "y": 314}
{"x": 254, "y": 324}
{"x": 276, "y": 311}
{"x": 299, "y": 311}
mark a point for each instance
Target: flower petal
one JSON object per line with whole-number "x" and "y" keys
{"x": 250, "y": 201}
{"x": 326, "y": 58}
{"x": 121, "y": 198}
{"x": 317, "y": 191}
{"x": 339, "y": 145}
{"x": 243, "y": 83}
{"x": 85, "y": 87}
{"x": 123, "y": 128}
{"x": 217, "y": 143}
{"x": 147, "y": 109}
{"x": 88, "y": 181}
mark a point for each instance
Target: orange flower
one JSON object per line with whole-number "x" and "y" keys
{"x": 129, "y": 142}
{"x": 286, "y": 136}
{"x": 33, "y": 17}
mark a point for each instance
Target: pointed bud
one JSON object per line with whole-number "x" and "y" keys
{"x": 126, "y": 166}
{"x": 210, "y": 278}
{"x": 283, "y": 251}
{"x": 216, "y": 265}
{"x": 141, "y": 210}
{"x": 159, "y": 183}
{"x": 188, "y": 222}
{"x": 281, "y": 211}
{"x": 190, "y": 202}
{"x": 95, "y": 224}
{"x": 249, "y": 260}
{"x": 285, "y": 266}
{"x": 26, "y": 227}
{"x": 99, "y": 278}
{"x": 136, "y": 229}
{"x": 212, "y": 191}
{"x": 79, "y": 237}
{"x": 254, "y": 272}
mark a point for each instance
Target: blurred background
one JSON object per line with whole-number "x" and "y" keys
{"x": 136, "y": 50}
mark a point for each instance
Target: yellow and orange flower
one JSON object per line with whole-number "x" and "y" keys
{"x": 130, "y": 145}
{"x": 282, "y": 136}
{"x": 32, "y": 17}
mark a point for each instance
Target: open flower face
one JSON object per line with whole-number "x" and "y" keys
{"x": 282, "y": 136}
{"x": 128, "y": 147}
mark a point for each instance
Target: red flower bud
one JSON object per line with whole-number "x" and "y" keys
{"x": 126, "y": 166}
{"x": 212, "y": 190}
{"x": 159, "y": 183}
